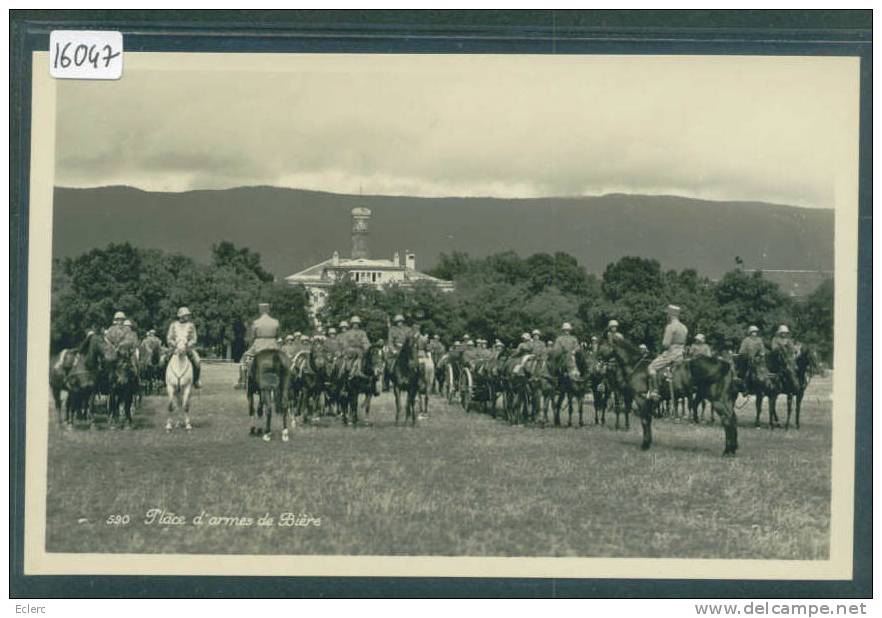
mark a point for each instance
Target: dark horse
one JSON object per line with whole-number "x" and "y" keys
{"x": 791, "y": 372}
{"x": 712, "y": 379}
{"x": 124, "y": 386}
{"x": 569, "y": 373}
{"x": 268, "y": 378}
{"x": 364, "y": 382}
{"x": 150, "y": 367}
{"x": 757, "y": 381}
{"x": 408, "y": 376}
{"x": 806, "y": 366}
{"x": 80, "y": 379}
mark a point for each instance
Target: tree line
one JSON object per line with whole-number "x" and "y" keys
{"x": 498, "y": 296}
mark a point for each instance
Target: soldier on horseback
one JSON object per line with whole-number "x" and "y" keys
{"x": 263, "y": 332}
{"x": 612, "y": 332}
{"x": 184, "y": 330}
{"x": 567, "y": 343}
{"x": 700, "y": 347}
{"x": 782, "y": 342}
{"x": 538, "y": 346}
{"x": 673, "y": 342}
{"x": 524, "y": 351}
{"x": 353, "y": 344}
{"x": 436, "y": 348}
{"x": 751, "y": 351}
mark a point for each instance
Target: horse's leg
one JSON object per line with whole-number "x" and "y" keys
{"x": 186, "y": 394}
{"x": 729, "y": 422}
{"x": 758, "y": 400}
{"x": 170, "y": 389}
{"x": 396, "y": 393}
{"x": 773, "y": 416}
{"x": 646, "y": 421}
{"x": 799, "y": 397}
{"x": 268, "y": 411}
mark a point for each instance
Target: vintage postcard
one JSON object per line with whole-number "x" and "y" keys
{"x": 574, "y": 316}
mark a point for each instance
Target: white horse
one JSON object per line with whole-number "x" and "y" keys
{"x": 178, "y": 381}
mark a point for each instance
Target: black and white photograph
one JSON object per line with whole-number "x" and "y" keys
{"x": 443, "y": 310}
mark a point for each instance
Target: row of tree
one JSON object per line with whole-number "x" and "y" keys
{"x": 499, "y": 296}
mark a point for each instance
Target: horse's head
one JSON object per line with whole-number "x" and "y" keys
{"x": 374, "y": 360}
{"x": 180, "y": 348}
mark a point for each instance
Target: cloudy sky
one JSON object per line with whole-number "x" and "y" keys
{"x": 745, "y": 128}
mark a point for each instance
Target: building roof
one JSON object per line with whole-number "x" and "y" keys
{"x": 314, "y": 274}
{"x": 796, "y": 283}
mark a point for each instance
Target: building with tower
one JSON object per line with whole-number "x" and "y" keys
{"x": 360, "y": 267}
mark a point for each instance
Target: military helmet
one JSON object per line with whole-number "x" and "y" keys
{"x": 343, "y": 324}
{"x": 525, "y": 336}
{"x": 151, "y": 332}
{"x": 435, "y": 336}
{"x": 355, "y": 320}
{"x": 127, "y": 322}
{"x": 297, "y": 333}
{"x": 783, "y": 329}
{"x": 289, "y": 338}
{"x": 613, "y": 323}
{"x": 119, "y": 315}
{"x": 752, "y": 329}
{"x": 536, "y": 331}
{"x": 567, "y": 326}
{"x": 498, "y": 344}
{"x": 699, "y": 337}
{"x": 594, "y": 338}
{"x": 643, "y": 347}
{"x": 332, "y": 331}
{"x": 398, "y": 318}
{"x": 457, "y": 342}
{"x": 183, "y": 311}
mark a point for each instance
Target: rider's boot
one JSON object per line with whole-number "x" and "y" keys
{"x": 653, "y": 388}
{"x": 197, "y": 369}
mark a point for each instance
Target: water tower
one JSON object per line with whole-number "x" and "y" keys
{"x": 360, "y": 218}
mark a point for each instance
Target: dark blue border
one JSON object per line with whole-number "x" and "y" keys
{"x": 834, "y": 33}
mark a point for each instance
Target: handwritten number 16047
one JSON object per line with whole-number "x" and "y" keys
{"x": 83, "y": 54}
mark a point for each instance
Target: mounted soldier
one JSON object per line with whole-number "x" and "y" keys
{"x": 524, "y": 352}
{"x": 291, "y": 346}
{"x": 566, "y": 343}
{"x": 673, "y": 342}
{"x": 595, "y": 344}
{"x": 538, "y": 347}
{"x": 700, "y": 348}
{"x": 612, "y": 332}
{"x": 117, "y": 333}
{"x": 436, "y": 348}
{"x": 750, "y": 353}
{"x": 183, "y": 330}
{"x": 263, "y": 332}
{"x": 782, "y": 342}
{"x": 353, "y": 344}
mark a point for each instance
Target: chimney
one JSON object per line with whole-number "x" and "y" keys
{"x": 335, "y": 259}
{"x": 410, "y": 260}
{"x": 360, "y": 219}
{"x": 396, "y": 259}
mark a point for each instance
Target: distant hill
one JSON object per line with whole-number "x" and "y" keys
{"x": 294, "y": 229}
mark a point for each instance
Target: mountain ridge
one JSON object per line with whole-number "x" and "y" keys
{"x": 295, "y": 228}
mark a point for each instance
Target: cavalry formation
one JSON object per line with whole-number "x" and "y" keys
{"x": 340, "y": 370}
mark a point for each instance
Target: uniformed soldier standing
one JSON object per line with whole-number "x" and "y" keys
{"x": 673, "y": 344}
{"x": 700, "y": 348}
{"x": 184, "y": 330}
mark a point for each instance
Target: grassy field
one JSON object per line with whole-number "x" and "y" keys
{"x": 457, "y": 484}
